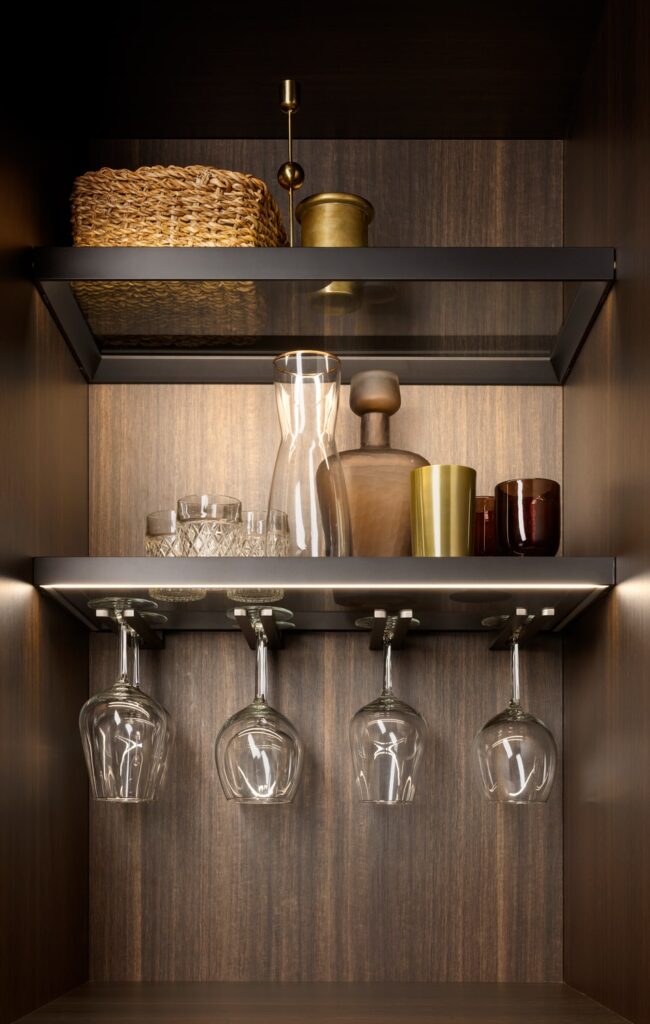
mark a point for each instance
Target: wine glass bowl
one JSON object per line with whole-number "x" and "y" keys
{"x": 258, "y": 752}
{"x": 516, "y": 756}
{"x": 259, "y": 756}
{"x": 126, "y": 735}
{"x": 387, "y": 737}
{"x": 515, "y": 753}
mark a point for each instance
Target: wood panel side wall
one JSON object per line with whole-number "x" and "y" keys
{"x": 607, "y": 495}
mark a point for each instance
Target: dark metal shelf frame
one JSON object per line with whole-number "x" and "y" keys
{"x": 445, "y": 594}
{"x": 591, "y": 269}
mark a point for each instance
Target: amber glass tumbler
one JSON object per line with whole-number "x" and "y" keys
{"x": 485, "y": 527}
{"x": 528, "y": 517}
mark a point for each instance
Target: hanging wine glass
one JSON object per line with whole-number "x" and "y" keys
{"x": 258, "y": 752}
{"x": 387, "y": 738}
{"x": 126, "y": 734}
{"x": 514, "y": 752}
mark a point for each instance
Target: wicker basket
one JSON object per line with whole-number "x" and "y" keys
{"x": 174, "y": 206}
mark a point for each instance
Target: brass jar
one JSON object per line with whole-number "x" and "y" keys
{"x": 442, "y": 510}
{"x": 333, "y": 220}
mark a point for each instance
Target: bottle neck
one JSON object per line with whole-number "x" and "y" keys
{"x": 375, "y": 430}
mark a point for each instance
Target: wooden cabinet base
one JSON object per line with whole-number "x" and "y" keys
{"x": 244, "y": 1003}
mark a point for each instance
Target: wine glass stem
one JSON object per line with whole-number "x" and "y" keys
{"x": 123, "y": 664}
{"x": 516, "y": 692}
{"x": 135, "y": 644}
{"x": 261, "y": 668}
{"x": 388, "y": 668}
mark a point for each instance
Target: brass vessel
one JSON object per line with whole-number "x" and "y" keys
{"x": 332, "y": 220}
{"x": 442, "y": 510}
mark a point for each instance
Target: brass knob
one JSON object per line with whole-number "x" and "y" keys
{"x": 291, "y": 176}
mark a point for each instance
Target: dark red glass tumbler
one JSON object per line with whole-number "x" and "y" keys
{"x": 528, "y": 516}
{"x": 485, "y": 527}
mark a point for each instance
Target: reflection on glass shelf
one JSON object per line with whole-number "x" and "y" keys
{"x": 438, "y": 317}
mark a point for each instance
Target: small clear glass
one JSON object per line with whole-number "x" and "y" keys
{"x": 515, "y": 754}
{"x": 126, "y": 735}
{"x": 162, "y": 541}
{"x": 209, "y": 525}
{"x": 277, "y": 533}
{"x": 258, "y": 751}
{"x": 262, "y": 533}
{"x": 387, "y": 738}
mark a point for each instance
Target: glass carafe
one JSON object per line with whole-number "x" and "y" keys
{"x": 308, "y": 482}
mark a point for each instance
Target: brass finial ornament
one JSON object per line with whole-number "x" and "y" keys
{"x": 290, "y": 174}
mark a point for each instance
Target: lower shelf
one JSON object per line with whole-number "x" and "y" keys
{"x": 445, "y": 594}
{"x": 245, "y": 1003}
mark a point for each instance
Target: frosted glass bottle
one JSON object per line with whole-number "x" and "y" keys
{"x": 378, "y": 477}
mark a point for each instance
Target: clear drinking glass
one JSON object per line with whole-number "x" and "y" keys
{"x": 209, "y": 525}
{"x": 514, "y": 752}
{"x": 262, "y": 533}
{"x": 387, "y": 738}
{"x": 162, "y": 540}
{"x": 308, "y": 483}
{"x": 126, "y": 735}
{"x": 258, "y": 752}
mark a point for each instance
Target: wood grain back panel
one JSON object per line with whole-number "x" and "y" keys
{"x": 151, "y": 444}
{"x": 607, "y": 433}
{"x": 326, "y": 889}
{"x": 449, "y": 888}
{"x": 424, "y": 191}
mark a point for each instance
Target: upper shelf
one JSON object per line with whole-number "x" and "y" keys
{"x": 436, "y": 315}
{"x": 332, "y": 593}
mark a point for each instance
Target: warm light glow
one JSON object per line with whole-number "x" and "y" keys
{"x": 455, "y": 585}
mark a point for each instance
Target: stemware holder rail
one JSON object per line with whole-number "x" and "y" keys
{"x": 267, "y": 620}
{"x": 522, "y": 626}
{"x": 535, "y": 596}
{"x": 377, "y": 625}
{"x": 149, "y": 638}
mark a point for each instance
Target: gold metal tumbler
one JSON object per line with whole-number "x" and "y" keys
{"x": 442, "y": 510}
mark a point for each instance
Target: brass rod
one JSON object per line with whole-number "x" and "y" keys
{"x": 290, "y": 147}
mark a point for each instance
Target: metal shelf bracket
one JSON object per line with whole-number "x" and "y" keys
{"x": 386, "y": 627}
{"x": 270, "y": 622}
{"x": 137, "y": 625}
{"x": 520, "y": 626}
